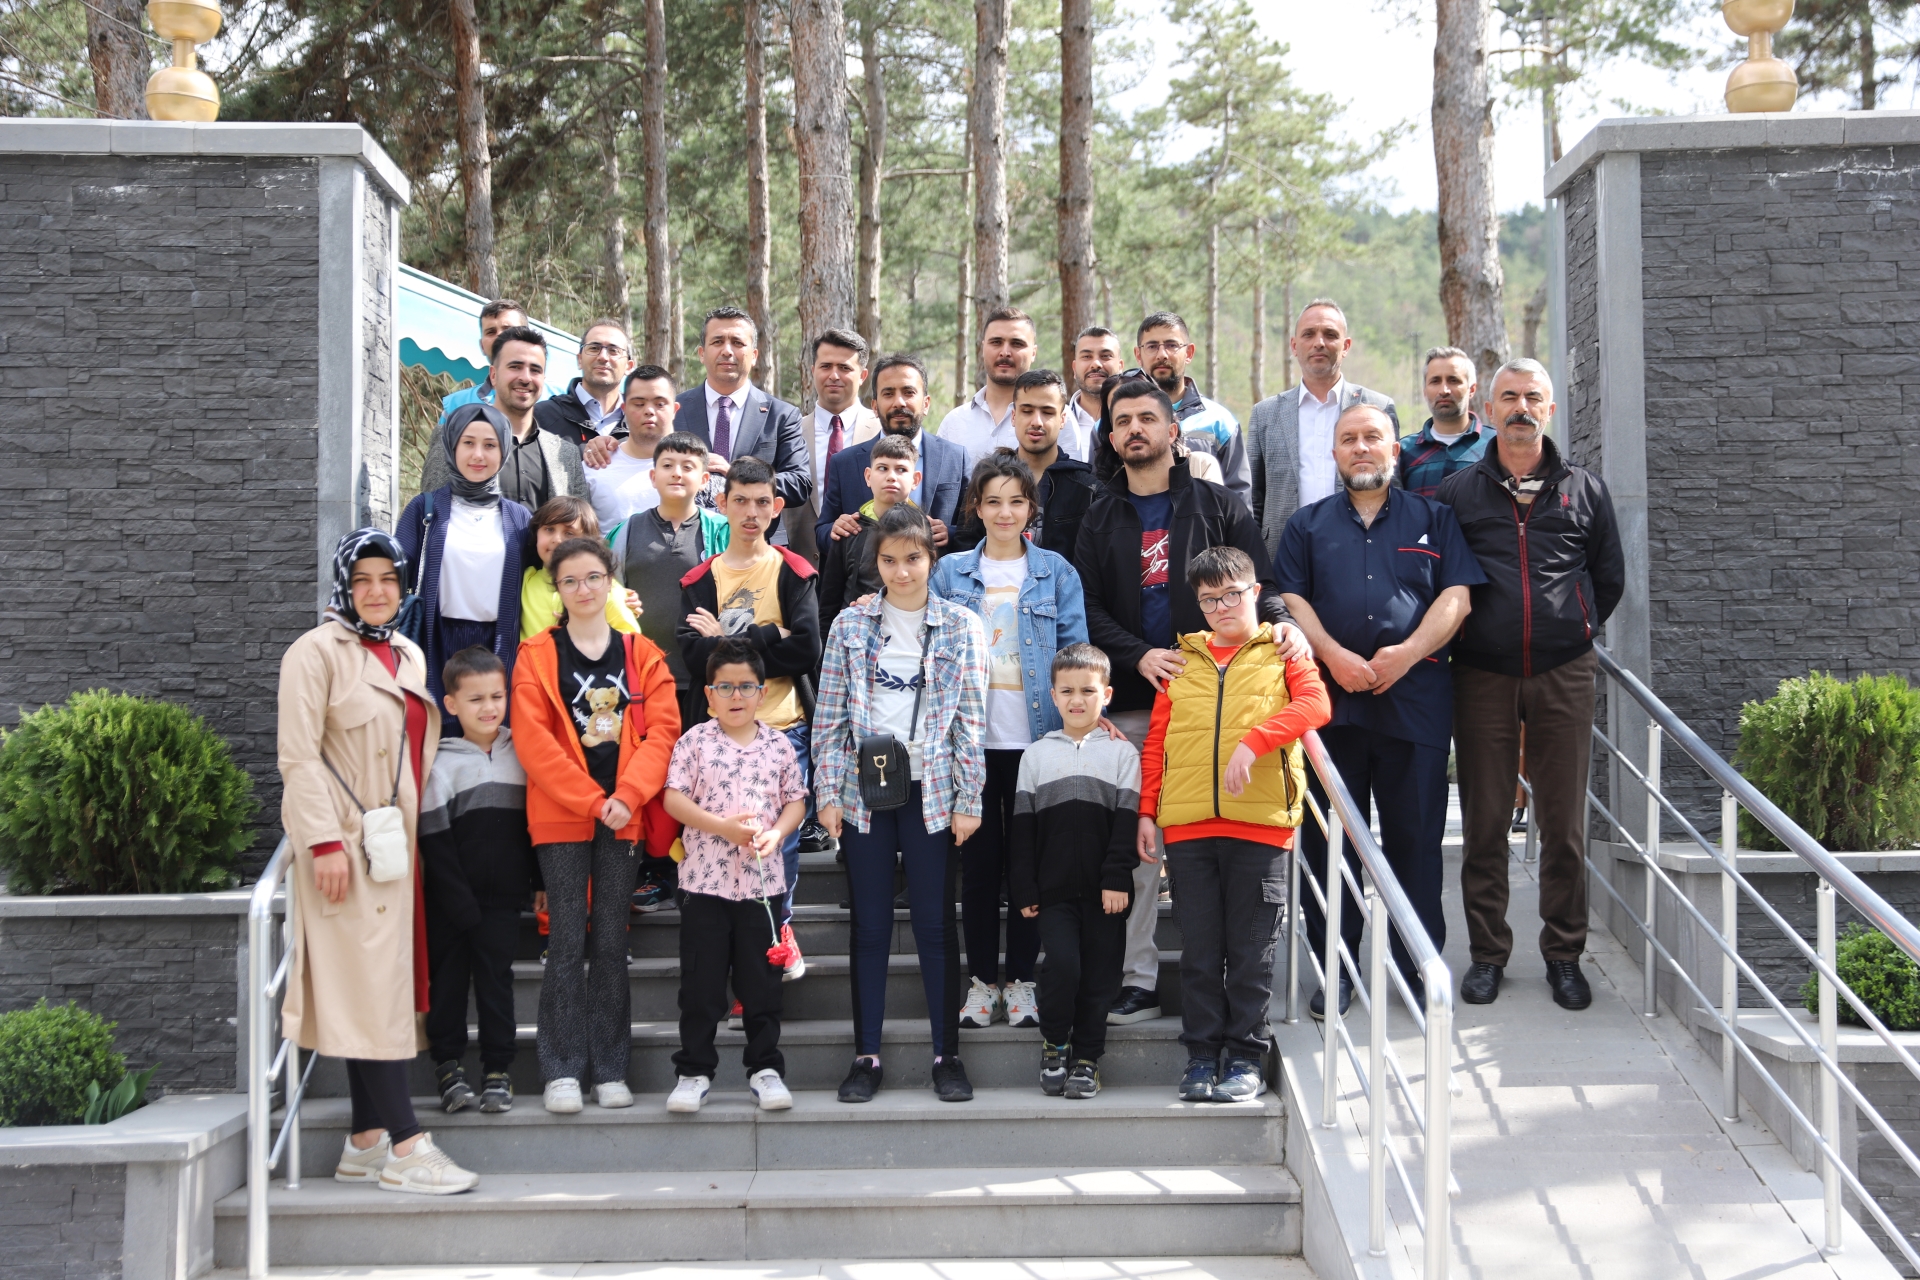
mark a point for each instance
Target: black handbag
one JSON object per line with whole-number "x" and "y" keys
{"x": 411, "y": 621}
{"x": 885, "y": 766}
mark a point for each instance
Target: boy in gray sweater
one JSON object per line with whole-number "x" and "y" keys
{"x": 1075, "y": 814}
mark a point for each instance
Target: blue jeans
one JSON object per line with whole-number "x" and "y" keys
{"x": 800, "y": 738}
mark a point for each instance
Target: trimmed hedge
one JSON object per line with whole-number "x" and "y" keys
{"x": 1840, "y": 759}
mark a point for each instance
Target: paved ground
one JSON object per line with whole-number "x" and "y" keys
{"x": 1005, "y": 1269}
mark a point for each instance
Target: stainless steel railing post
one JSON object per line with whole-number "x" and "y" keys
{"x": 1650, "y": 996}
{"x": 1829, "y": 1090}
{"x": 1330, "y": 990}
{"x": 1730, "y": 972}
{"x": 1295, "y": 915}
{"x": 1376, "y": 1074}
{"x": 1439, "y": 1168}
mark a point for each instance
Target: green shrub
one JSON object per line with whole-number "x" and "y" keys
{"x": 1842, "y": 760}
{"x": 1884, "y": 977}
{"x": 50, "y": 1055}
{"x": 129, "y": 1095}
{"x": 109, "y": 793}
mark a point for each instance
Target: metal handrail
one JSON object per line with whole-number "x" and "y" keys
{"x": 1836, "y": 880}
{"x": 1386, "y": 903}
{"x": 270, "y": 1056}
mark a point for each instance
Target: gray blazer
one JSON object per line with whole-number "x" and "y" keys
{"x": 566, "y": 469}
{"x": 1273, "y": 454}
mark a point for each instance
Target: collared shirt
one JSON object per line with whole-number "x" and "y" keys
{"x": 739, "y": 399}
{"x": 973, "y": 427}
{"x": 602, "y": 420}
{"x": 1426, "y": 460}
{"x": 1371, "y": 586}
{"x": 823, "y": 432}
{"x": 1317, "y": 417}
{"x": 1076, "y": 437}
{"x": 523, "y": 473}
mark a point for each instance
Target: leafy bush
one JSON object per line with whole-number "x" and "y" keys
{"x": 1884, "y": 977}
{"x": 50, "y": 1056}
{"x": 110, "y": 793}
{"x": 1842, "y": 760}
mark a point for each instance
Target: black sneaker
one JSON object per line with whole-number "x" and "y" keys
{"x": 950, "y": 1083}
{"x": 1197, "y": 1084}
{"x": 1241, "y": 1081}
{"x": 650, "y": 896}
{"x": 1053, "y": 1069}
{"x": 814, "y": 839}
{"x": 900, "y": 902}
{"x": 1135, "y": 1004}
{"x": 1083, "y": 1081}
{"x": 455, "y": 1093}
{"x": 1317, "y": 1006}
{"x": 862, "y": 1082}
{"x": 496, "y": 1093}
{"x": 1519, "y": 820}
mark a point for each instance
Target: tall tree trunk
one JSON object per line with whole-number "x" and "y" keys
{"x": 873, "y": 158}
{"x": 987, "y": 127}
{"x": 1869, "y": 61}
{"x": 476, "y": 159}
{"x": 660, "y": 338}
{"x": 676, "y": 320}
{"x": 1257, "y": 366}
{"x": 823, "y": 148}
{"x": 759, "y": 209}
{"x": 1286, "y": 348}
{"x": 117, "y": 48}
{"x": 963, "y": 308}
{"x": 1470, "y": 276}
{"x": 1106, "y": 300}
{"x": 1213, "y": 304}
{"x": 1075, "y": 250}
{"x": 614, "y": 238}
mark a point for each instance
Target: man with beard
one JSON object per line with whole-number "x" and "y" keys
{"x": 1008, "y": 344}
{"x": 588, "y": 412}
{"x": 1378, "y": 578}
{"x": 1545, "y": 534}
{"x": 1096, "y": 357}
{"x": 495, "y": 318}
{"x": 1290, "y": 436}
{"x": 1146, "y": 523}
{"x": 900, "y": 398}
{"x": 1163, "y": 350}
{"x": 1454, "y": 437}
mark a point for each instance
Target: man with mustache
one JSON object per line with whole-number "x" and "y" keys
{"x": 1096, "y": 357}
{"x": 1454, "y": 437}
{"x": 1008, "y": 344}
{"x": 900, "y": 398}
{"x": 1545, "y": 534}
{"x": 1163, "y": 350}
{"x": 739, "y": 420}
{"x": 1378, "y": 579}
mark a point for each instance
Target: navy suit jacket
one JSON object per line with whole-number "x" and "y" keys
{"x": 767, "y": 428}
{"x": 943, "y": 480}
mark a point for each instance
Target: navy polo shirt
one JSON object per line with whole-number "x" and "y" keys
{"x": 1371, "y": 587}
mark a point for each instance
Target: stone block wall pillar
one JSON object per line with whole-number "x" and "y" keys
{"x": 200, "y": 395}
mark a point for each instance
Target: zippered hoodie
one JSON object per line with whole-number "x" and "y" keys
{"x": 474, "y": 848}
{"x": 563, "y": 800}
{"x": 1076, "y": 815}
{"x": 1555, "y": 567}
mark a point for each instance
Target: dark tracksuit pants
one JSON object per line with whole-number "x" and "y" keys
{"x": 983, "y": 874}
{"x": 586, "y": 1028}
{"x": 1227, "y": 895}
{"x": 931, "y": 863}
{"x": 381, "y": 1098}
{"x": 1557, "y": 709}
{"x": 480, "y": 959}
{"x": 1080, "y": 978}
{"x": 1409, "y": 783}
{"x": 722, "y": 942}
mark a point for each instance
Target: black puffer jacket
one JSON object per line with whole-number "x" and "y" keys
{"x": 1555, "y": 569}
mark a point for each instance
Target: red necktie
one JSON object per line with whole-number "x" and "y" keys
{"x": 836, "y": 437}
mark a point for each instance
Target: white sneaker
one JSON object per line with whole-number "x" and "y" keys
{"x": 562, "y": 1096}
{"x": 770, "y": 1089}
{"x": 976, "y": 1010}
{"x": 1023, "y": 1005}
{"x": 358, "y": 1165}
{"x": 689, "y": 1094}
{"x": 427, "y": 1171}
{"x": 612, "y": 1094}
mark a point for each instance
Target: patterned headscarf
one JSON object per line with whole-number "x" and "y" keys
{"x": 353, "y": 548}
{"x": 485, "y": 493}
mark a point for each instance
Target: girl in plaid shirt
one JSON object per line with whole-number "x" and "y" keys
{"x": 879, "y": 655}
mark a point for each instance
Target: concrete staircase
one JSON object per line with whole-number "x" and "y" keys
{"x": 1133, "y": 1173}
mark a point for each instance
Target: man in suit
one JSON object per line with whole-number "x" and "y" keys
{"x": 737, "y": 419}
{"x": 900, "y": 397}
{"x": 1290, "y": 436}
{"x": 838, "y": 420}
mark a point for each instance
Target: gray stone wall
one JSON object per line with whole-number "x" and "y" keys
{"x": 62, "y": 1222}
{"x": 1895, "y": 1094}
{"x": 1580, "y": 398}
{"x": 168, "y": 981}
{"x": 379, "y": 421}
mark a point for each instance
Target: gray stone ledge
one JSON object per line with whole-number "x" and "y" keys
{"x": 1768, "y": 1035}
{"x": 232, "y": 902}
{"x": 1734, "y": 132}
{"x": 176, "y": 1128}
{"x": 170, "y": 138}
{"x": 1681, "y": 854}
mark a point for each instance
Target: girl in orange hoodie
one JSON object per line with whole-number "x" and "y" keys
{"x": 595, "y": 718}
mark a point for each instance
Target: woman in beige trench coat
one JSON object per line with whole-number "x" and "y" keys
{"x": 358, "y": 733}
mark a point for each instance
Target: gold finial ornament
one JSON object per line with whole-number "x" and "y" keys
{"x": 1763, "y": 82}
{"x": 183, "y": 91}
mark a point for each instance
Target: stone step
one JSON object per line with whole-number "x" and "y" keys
{"x": 902, "y": 1128}
{"x": 1132, "y": 1210}
{"x": 818, "y": 1053}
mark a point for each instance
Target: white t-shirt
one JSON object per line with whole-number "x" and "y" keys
{"x": 1008, "y": 727}
{"x": 621, "y": 488}
{"x": 471, "y": 564}
{"x": 897, "y": 678}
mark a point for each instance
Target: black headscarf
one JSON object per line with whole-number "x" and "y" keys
{"x": 359, "y": 545}
{"x": 485, "y": 493}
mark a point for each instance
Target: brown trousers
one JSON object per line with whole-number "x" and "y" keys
{"x": 1557, "y": 709}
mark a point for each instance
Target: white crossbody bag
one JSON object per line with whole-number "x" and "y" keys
{"x": 383, "y": 831}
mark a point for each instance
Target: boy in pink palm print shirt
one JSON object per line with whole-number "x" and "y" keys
{"x": 736, "y": 787}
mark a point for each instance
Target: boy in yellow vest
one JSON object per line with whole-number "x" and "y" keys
{"x": 1224, "y": 776}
